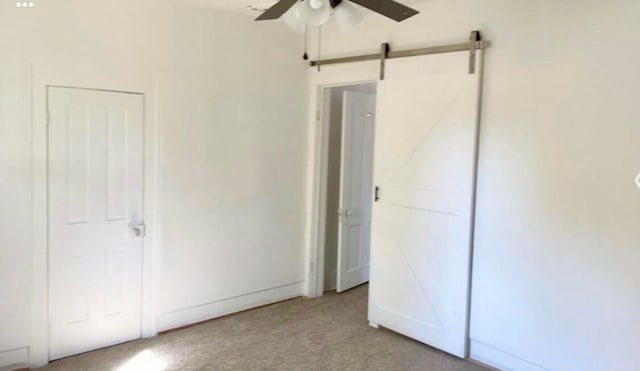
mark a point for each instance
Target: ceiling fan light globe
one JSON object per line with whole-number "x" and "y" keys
{"x": 293, "y": 19}
{"x": 347, "y": 16}
{"x": 315, "y": 4}
{"x": 315, "y": 17}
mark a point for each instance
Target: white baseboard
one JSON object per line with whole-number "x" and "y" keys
{"x": 503, "y": 361}
{"x": 14, "y": 358}
{"x": 223, "y": 307}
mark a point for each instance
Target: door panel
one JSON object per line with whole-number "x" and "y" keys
{"x": 425, "y": 156}
{"x": 95, "y": 194}
{"x": 116, "y": 164}
{"x": 77, "y": 176}
{"x": 355, "y": 189}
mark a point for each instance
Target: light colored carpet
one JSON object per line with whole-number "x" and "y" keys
{"x": 329, "y": 333}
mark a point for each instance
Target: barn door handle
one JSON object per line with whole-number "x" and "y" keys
{"x": 377, "y": 194}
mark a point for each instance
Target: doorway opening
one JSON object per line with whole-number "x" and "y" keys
{"x": 349, "y": 114}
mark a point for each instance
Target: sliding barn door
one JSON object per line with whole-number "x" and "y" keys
{"x": 95, "y": 219}
{"x": 425, "y": 156}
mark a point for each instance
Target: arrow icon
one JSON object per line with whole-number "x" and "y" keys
{"x": 638, "y": 180}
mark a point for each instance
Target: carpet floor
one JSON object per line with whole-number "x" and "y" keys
{"x": 328, "y": 333}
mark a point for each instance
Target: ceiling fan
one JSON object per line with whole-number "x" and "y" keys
{"x": 300, "y": 13}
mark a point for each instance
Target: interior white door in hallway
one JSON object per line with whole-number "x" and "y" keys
{"x": 356, "y": 174}
{"x": 95, "y": 219}
{"x": 425, "y": 159}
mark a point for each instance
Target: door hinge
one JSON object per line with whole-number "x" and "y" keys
{"x": 376, "y": 196}
{"x": 312, "y": 267}
{"x": 317, "y": 115}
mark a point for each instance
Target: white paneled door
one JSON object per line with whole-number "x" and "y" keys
{"x": 355, "y": 189}
{"x": 95, "y": 219}
{"x": 425, "y": 155}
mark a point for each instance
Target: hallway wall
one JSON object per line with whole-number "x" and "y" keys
{"x": 333, "y": 189}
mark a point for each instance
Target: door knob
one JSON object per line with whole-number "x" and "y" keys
{"x": 346, "y": 212}
{"x": 136, "y": 231}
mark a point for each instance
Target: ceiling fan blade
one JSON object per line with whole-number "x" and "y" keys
{"x": 388, "y": 8}
{"x": 276, "y": 10}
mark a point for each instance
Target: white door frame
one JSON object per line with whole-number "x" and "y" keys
{"x": 317, "y": 156}
{"x": 40, "y": 79}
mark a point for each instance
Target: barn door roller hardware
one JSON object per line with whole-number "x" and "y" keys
{"x": 384, "y": 54}
{"x": 473, "y": 39}
{"x": 475, "y": 43}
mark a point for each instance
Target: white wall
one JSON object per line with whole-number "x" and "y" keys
{"x": 555, "y": 274}
{"x": 232, "y": 163}
{"x": 228, "y": 96}
{"x": 15, "y": 216}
